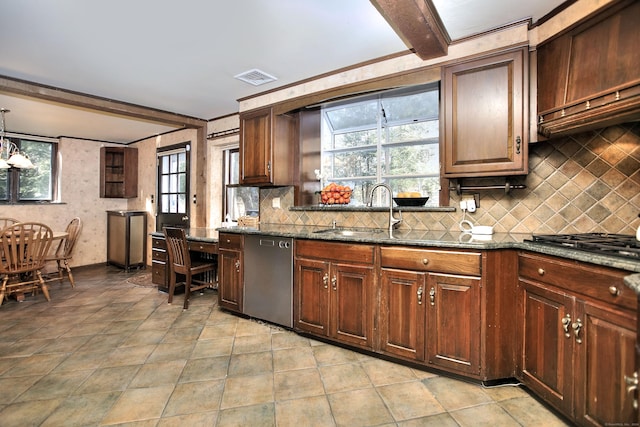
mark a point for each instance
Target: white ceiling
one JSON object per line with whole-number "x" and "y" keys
{"x": 182, "y": 57}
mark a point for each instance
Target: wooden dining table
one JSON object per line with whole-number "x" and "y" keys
{"x": 55, "y": 235}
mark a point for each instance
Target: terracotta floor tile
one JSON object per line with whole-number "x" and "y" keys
{"x": 108, "y": 379}
{"x": 84, "y": 410}
{"x": 359, "y": 408}
{"x": 157, "y": 374}
{"x": 246, "y": 391}
{"x": 489, "y": 415}
{"x": 308, "y": 411}
{"x": 205, "y": 368}
{"x": 297, "y": 384}
{"x": 293, "y": 358}
{"x": 409, "y": 400}
{"x": 139, "y": 404}
{"x": 251, "y": 363}
{"x": 348, "y": 376}
{"x": 189, "y": 398}
{"x": 262, "y": 415}
{"x": 252, "y": 343}
{"x": 454, "y": 394}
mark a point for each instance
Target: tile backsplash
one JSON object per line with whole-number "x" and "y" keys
{"x": 587, "y": 182}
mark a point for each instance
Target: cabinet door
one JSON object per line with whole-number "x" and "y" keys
{"x": 605, "y": 345}
{"x": 485, "y": 110}
{"x": 255, "y": 147}
{"x": 230, "y": 286}
{"x": 351, "y": 304}
{"x": 402, "y": 319}
{"x": 547, "y": 344}
{"x": 453, "y": 322}
{"x": 311, "y": 292}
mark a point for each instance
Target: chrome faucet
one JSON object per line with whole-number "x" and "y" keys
{"x": 392, "y": 221}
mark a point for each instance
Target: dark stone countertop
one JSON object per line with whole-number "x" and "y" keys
{"x": 441, "y": 239}
{"x": 197, "y": 234}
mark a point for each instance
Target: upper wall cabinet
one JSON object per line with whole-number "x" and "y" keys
{"x": 485, "y": 116}
{"x": 589, "y": 77}
{"x": 267, "y": 148}
{"x": 118, "y": 172}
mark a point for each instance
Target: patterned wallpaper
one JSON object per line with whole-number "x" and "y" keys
{"x": 588, "y": 182}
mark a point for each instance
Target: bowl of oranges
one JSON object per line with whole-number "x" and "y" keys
{"x": 335, "y": 194}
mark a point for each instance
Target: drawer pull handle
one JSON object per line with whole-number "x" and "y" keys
{"x": 425, "y": 261}
{"x": 541, "y": 271}
{"x": 325, "y": 281}
{"x": 632, "y": 382}
{"x": 613, "y": 290}
{"x": 576, "y": 326}
{"x": 334, "y": 283}
{"x": 566, "y": 321}
{"x": 432, "y": 296}
{"x": 420, "y": 291}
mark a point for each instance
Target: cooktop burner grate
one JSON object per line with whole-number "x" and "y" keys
{"x": 611, "y": 244}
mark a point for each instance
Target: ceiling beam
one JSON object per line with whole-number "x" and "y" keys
{"x": 108, "y": 106}
{"x": 418, "y": 24}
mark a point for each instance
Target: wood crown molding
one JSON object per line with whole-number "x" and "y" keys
{"x": 418, "y": 24}
{"x": 76, "y": 99}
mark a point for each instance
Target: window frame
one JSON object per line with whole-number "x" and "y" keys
{"x": 13, "y": 175}
{"x": 382, "y": 145}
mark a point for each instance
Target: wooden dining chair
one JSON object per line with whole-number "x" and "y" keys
{"x": 64, "y": 251}
{"x": 5, "y": 222}
{"x": 23, "y": 248}
{"x": 180, "y": 262}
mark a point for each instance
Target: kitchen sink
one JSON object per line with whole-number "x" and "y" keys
{"x": 350, "y": 231}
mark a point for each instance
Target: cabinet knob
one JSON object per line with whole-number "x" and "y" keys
{"x": 613, "y": 290}
{"x": 632, "y": 382}
{"x": 425, "y": 261}
{"x": 518, "y": 144}
{"x": 541, "y": 271}
{"x": 420, "y": 291}
{"x": 432, "y": 296}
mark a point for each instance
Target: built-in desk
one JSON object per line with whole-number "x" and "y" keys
{"x": 203, "y": 244}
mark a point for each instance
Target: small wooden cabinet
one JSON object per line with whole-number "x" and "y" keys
{"x": 485, "y": 116}
{"x": 588, "y": 76}
{"x": 334, "y": 291}
{"x": 578, "y": 334}
{"x": 230, "y": 271}
{"x": 267, "y": 148}
{"x": 127, "y": 239}
{"x": 118, "y": 172}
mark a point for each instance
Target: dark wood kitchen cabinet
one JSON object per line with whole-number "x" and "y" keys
{"x": 159, "y": 266}
{"x": 577, "y": 329}
{"x": 118, "y": 172}
{"x": 334, "y": 291}
{"x": 230, "y": 271}
{"x": 267, "y": 148}
{"x": 431, "y": 307}
{"x": 485, "y": 115}
{"x": 588, "y": 76}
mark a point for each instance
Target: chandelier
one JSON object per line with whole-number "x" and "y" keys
{"x": 10, "y": 155}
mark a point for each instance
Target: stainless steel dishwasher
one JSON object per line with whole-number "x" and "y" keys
{"x": 268, "y": 278}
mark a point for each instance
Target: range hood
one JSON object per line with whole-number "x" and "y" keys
{"x": 589, "y": 76}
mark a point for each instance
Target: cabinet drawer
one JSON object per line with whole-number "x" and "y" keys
{"x": 431, "y": 260}
{"x": 362, "y": 254}
{"x": 597, "y": 282}
{"x": 158, "y": 243}
{"x": 158, "y": 255}
{"x": 210, "y": 248}
{"x": 158, "y": 273}
{"x": 230, "y": 241}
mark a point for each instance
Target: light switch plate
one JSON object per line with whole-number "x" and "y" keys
{"x": 275, "y": 202}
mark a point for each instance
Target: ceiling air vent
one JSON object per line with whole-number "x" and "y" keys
{"x": 255, "y": 77}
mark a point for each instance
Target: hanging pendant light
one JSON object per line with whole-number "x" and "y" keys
{"x": 10, "y": 155}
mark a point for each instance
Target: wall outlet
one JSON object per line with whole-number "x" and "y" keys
{"x": 275, "y": 202}
{"x": 468, "y": 202}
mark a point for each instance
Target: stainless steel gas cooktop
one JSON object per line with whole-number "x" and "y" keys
{"x": 623, "y": 245}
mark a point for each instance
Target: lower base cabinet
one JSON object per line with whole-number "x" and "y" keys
{"x": 334, "y": 291}
{"x": 578, "y": 338}
{"x": 230, "y": 271}
{"x": 420, "y": 305}
{"x": 430, "y": 307}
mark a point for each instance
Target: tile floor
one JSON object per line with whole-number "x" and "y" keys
{"x": 110, "y": 352}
